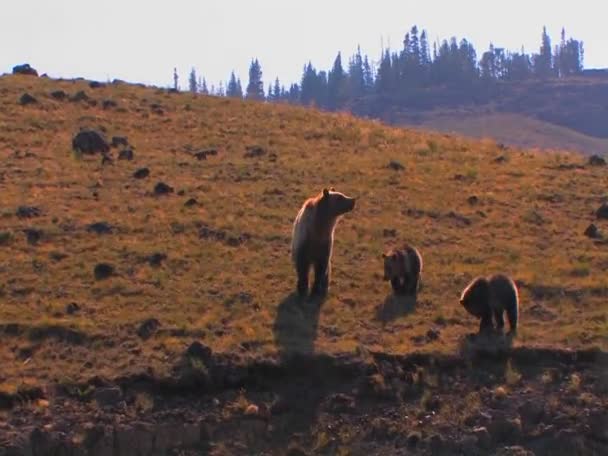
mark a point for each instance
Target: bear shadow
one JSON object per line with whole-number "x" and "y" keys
{"x": 296, "y": 324}
{"x": 394, "y": 307}
{"x": 490, "y": 344}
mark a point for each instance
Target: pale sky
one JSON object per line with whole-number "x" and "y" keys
{"x": 141, "y": 41}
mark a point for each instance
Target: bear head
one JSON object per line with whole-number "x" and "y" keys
{"x": 333, "y": 204}
{"x": 393, "y": 265}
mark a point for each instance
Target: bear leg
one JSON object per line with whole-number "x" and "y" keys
{"x": 302, "y": 270}
{"x": 397, "y": 286}
{"x": 321, "y": 284}
{"x": 486, "y": 322}
{"x": 414, "y": 286}
{"x": 512, "y": 317}
{"x": 500, "y": 321}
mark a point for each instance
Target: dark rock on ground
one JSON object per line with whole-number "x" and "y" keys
{"x": 33, "y": 235}
{"x": 156, "y": 259}
{"x": 203, "y": 154}
{"x": 473, "y": 200}
{"x": 72, "y": 308}
{"x": 25, "y": 69}
{"x": 148, "y": 327}
{"x": 200, "y": 351}
{"x": 191, "y": 202}
{"x": 593, "y": 232}
{"x": 96, "y": 84}
{"x": 254, "y": 152}
{"x": 89, "y": 141}
{"x": 141, "y": 173}
{"x": 100, "y": 228}
{"x": 28, "y": 212}
{"x": 602, "y": 212}
{"x": 395, "y": 165}
{"x": 59, "y": 95}
{"x": 27, "y": 99}
{"x": 162, "y": 189}
{"x": 119, "y": 141}
{"x": 103, "y": 271}
{"x": 107, "y": 104}
{"x": 79, "y": 96}
{"x": 596, "y": 160}
{"x": 126, "y": 154}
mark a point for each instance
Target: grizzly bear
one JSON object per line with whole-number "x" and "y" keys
{"x": 487, "y": 297}
{"x": 403, "y": 267}
{"x": 313, "y": 238}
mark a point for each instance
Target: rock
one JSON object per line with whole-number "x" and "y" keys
{"x": 79, "y": 96}
{"x": 254, "y": 152}
{"x": 147, "y": 328}
{"x": 602, "y": 212}
{"x": 126, "y": 154}
{"x": 473, "y": 200}
{"x": 598, "y": 424}
{"x": 203, "y": 154}
{"x": 103, "y": 271}
{"x": 156, "y": 259}
{"x": 162, "y": 189}
{"x": 433, "y": 334}
{"x": 33, "y": 235}
{"x": 96, "y": 84}
{"x": 59, "y": 95}
{"x": 500, "y": 159}
{"x": 593, "y": 232}
{"x": 141, "y": 173}
{"x": 27, "y": 99}
{"x": 89, "y": 141}
{"x": 191, "y": 202}
{"x": 72, "y": 308}
{"x": 532, "y": 411}
{"x": 25, "y": 69}
{"x": 28, "y": 212}
{"x": 107, "y": 104}
{"x": 100, "y": 228}
{"x": 119, "y": 141}
{"x": 395, "y": 165}
{"x": 199, "y": 351}
{"x": 108, "y": 397}
{"x": 389, "y": 233}
{"x": 596, "y": 160}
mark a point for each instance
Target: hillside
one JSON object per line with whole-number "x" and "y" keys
{"x": 512, "y": 129}
{"x": 209, "y": 262}
{"x": 546, "y": 114}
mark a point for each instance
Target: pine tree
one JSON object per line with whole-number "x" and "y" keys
{"x": 336, "y": 85}
{"x": 278, "y": 92}
{"x": 255, "y": 87}
{"x": 542, "y": 61}
{"x": 233, "y": 89}
{"x": 192, "y": 81}
{"x": 308, "y": 84}
{"x": 203, "y": 87}
{"x": 368, "y": 75}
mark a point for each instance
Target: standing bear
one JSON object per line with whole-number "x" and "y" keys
{"x": 403, "y": 267}
{"x": 313, "y": 238}
{"x": 489, "y": 297}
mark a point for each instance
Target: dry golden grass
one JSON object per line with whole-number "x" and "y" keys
{"x": 529, "y": 220}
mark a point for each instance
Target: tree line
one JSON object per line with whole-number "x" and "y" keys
{"x": 411, "y": 70}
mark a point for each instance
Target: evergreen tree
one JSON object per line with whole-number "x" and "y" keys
{"x": 542, "y": 61}
{"x": 175, "y": 79}
{"x": 233, "y": 89}
{"x": 278, "y": 91}
{"x": 356, "y": 75}
{"x": 255, "y": 88}
{"x": 220, "y": 90}
{"x": 368, "y": 76}
{"x": 308, "y": 84}
{"x": 192, "y": 81}
{"x": 269, "y": 95}
{"x": 336, "y": 85}
{"x": 203, "y": 87}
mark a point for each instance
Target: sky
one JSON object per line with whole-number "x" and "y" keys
{"x": 142, "y": 41}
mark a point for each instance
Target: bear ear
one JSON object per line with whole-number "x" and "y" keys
{"x": 384, "y": 255}
{"x": 325, "y": 192}
{"x": 332, "y": 189}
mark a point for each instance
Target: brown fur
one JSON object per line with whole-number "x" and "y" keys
{"x": 487, "y": 298}
{"x": 313, "y": 237}
{"x": 403, "y": 268}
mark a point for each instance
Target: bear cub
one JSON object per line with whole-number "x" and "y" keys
{"x": 488, "y": 298}
{"x": 313, "y": 238}
{"x": 403, "y": 268}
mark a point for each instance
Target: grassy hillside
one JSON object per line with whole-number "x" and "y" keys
{"x": 513, "y": 129}
{"x": 471, "y": 208}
